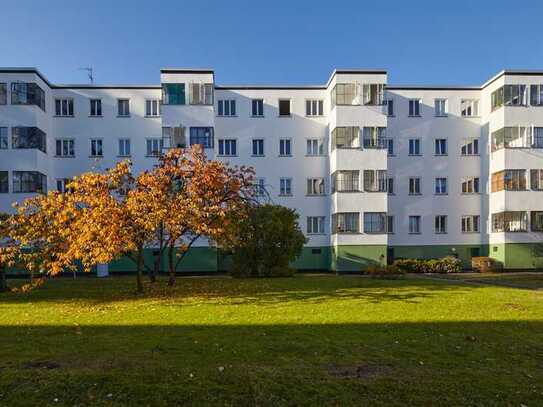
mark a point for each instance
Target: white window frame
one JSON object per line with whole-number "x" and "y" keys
{"x": 97, "y": 144}
{"x": 152, "y": 141}
{"x": 123, "y": 151}
{"x": 283, "y": 143}
{"x": 285, "y": 186}
{"x": 123, "y": 107}
{"x": 228, "y": 146}
{"x": 4, "y": 138}
{"x": 315, "y": 147}
{"x": 279, "y": 101}
{"x": 67, "y": 147}
{"x": 315, "y": 186}
{"x": 314, "y": 107}
{"x": 441, "y": 107}
{"x": 152, "y": 107}
{"x": 440, "y": 224}
{"x": 466, "y": 143}
{"x": 413, "y": 190}
{"x": 226, "y": 108}
{"x": 441, "y": 147}
{"x": 416, "y": 143}
{"x": 414, "y": 107}
{"x": 64, "y": 107}
{"x": 259, "y": 142}
{"x": 415, "y": 224}
{"x": 469, "y": 107}
{"x": 470, "y": 224}
{"x": 315, "y": 225}
{"x": 440, "y": 186}
{"x": 472, "y": 185}
{"x": 96, "y": 105}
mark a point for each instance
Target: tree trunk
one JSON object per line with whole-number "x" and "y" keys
{"x": 171, "y": 266}
{"x": 3, "y": 279}
{"x": 139, "y": 271}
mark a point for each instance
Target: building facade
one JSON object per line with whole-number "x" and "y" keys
{"x": 376, "y": 171}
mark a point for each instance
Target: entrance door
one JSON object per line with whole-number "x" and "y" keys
{"x": 390, "y": 255}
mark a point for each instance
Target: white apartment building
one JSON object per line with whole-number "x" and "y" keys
{"x": 376, "y": 171}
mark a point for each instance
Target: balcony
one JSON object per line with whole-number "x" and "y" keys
{"x": 28, "y": 138}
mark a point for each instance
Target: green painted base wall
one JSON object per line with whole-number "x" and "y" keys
{"x": 517, "y": 256}
{"x": 313, "y": 258}
{"x": 357, "y": 258}
{"x": 464, "y": 252}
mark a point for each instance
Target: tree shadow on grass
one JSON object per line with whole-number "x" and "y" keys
{"x": 431, "y": 363}
{"x": 222, "y": 291}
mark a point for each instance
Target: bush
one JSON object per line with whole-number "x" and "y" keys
{"x": 264, "y": 242}
{"x": 448, "y": 264}
{"x": 485, "y": 264}
{"x": 390, "y": 271}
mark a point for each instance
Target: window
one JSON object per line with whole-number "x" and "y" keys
{"x": 536, "y": 180}
{"x": 375, "y": 222}
{"x": 152, "y": 107}
{"x": 153, "y": 147}
{"x": 345, "y": 94}
{"x": 414, "y": 146}
{"x": 345, "y": 181}
{"x": 469, "y": 107}
{"x": 537, "y": 141}
{"x": 508, "y": 95}
{"x": 440, "y": 224}
{"x": 390, "y": 186}
{"x": 346, "y": 222}
{"x": 62, "y": 185}
{"x": 315, "y": 186}
{"x": 258, "y": 147}
{"x": 284, "y": 107}
{"x": 414, "y": 186}
{"x": 470, "y": 185}
{"x": 29, "y": 181}
{"x": 227, "y": 147}
{"x": 470, "y": 224}
{"x": 201, "y": 135}
{"x": 201, "y": 94}
{"x": 65, "y": 148}
{"x": 124, "y": 147}
{"x": 27, "y": 94}
{"x": 260, "y": 187}
{"x": 314, "y": 107}
{"x": 173, "y": 93}
{"x": 315, "y": 146}
{"x": 374, "y": 137}
{"x": 390, "y": 147}
{"x": 373, "y": 94}
{"x": 285, "y": 186}
{"x": 441, "y": 186}
{"x": 536, "y": 95}
{"x": 414, "y": 224}
{"x": 285, "y": 147}
{"x": 390, "y": 107}
{"x": 3, "y": 138}
{"x": 514, "y": 137}
{"x": 226, "y": 108}
{"x": 95, "y": 107}
{"x": 390, "y": 224}
{"x": 3, "y": 94}
{"x": 64, "y": 107}
{"x": 536, "y": 221}
{"x": 509, "y": 180}
{"x": 346, "y": 137}
{"x": 470, "y": 147}
{"x": 510, "y": 222}
{"x": 315, "y": 225}
{"x": 440, "y": 107}
{"x": 28, "y": 137}
{"x": 4, "y": 182}
{"x": 257, "y": 107}
{"x": 440, "y": 146}
{"x": 375, "y": 180}
{"x": 123, "y": 107}
{"x": 173, "y": 137}
{"x": 414, "y": 107}
{"x": 96, "y": 148}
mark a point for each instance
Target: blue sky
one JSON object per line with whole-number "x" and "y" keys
{"x": 275, "y": 42}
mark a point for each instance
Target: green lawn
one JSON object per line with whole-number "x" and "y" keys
{"x": 300, "y": 341}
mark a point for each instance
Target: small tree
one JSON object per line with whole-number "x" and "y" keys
{"x": 265, "y": 241}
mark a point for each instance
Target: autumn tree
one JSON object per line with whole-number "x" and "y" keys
{"x": 200, "y": 196}
{"x": 3, "y": 240}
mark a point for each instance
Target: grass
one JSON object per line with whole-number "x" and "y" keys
{"x": 528, "y": 280}
{"x": 299, "y": 341}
